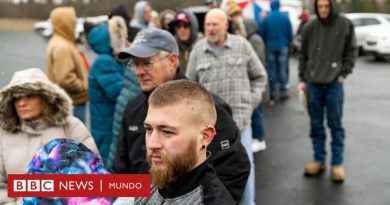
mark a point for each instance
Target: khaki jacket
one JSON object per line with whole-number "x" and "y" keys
{"x": 65, "y": 66}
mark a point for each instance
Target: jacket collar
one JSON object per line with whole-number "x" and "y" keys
{"x": 200, "y": 176}
{"x": 228, "y": 43}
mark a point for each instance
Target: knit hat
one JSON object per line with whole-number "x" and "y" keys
{"x": 232, "y": 8}
{"x": 65, "y": 156}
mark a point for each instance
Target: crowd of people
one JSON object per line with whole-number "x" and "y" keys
{"x": 168, "y": 100}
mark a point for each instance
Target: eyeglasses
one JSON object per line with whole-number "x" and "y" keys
{"x": 146, "y": 65}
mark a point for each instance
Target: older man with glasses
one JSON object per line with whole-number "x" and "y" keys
{"x": 154, "y": 59}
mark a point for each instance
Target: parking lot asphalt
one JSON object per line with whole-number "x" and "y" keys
{"x": 279, "y": 169}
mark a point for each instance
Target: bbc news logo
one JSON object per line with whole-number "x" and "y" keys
{"x": 78, "y": 185}
{"x": 33, "y": 185}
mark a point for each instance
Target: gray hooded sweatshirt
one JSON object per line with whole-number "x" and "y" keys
{"x": 328, "y": 48}
{"x": 139, "y": 21}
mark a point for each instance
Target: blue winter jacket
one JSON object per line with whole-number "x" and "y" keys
{"x": 105, "y": 81}
{"x": 276, "y": 29}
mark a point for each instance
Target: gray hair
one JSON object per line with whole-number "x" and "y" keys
{"x": 163, "y": 53}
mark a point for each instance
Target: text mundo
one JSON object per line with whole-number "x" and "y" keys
{"x": 124, "y": 185}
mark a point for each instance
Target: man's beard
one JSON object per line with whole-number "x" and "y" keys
{"x": 178, "y": 166}
{"x": 214, "y": 39}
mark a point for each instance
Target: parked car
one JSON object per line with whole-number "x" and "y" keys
{"x": 366, "y": 23}
{"x": 44, "y": 28}
{"x": 377, "y": 43}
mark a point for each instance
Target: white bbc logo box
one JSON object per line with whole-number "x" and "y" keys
{"x": 33, "y": 185}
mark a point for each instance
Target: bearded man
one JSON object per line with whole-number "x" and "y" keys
{"x": 179, "y": 127}
{"x": 154, "y": 59}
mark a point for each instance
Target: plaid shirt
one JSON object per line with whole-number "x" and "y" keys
{"x": 236, "y": 75}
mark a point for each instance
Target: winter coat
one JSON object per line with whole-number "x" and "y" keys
{"x": 19, "y": 140}
{"x": 120, "y": 10}
{"x": 139, "y": 21}
{"x": 276, "y": 29}
{"x": 105, "y": 80}
{"x": 65, "y": 66}
{"x": 186, "y": 47}
{"x": 129, "y": 90}
{"x": 64, "y": 156}
{"x": 200, "y": 186}
{"x": 228, "y": 156}
{"x": 255, "y": 39}
{"x": 329, "y": 48}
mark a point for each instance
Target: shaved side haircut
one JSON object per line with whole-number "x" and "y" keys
{"x": 190, "y": 92}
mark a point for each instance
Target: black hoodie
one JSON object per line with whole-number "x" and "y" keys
{"x": 186, "y": 47}
{"x": 328, "y": 48}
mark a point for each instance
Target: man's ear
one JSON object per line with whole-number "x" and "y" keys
{"x": 208, "y": 134}
{"x": 172, "y": 59}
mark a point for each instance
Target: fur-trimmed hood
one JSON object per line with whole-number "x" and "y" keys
{"x": 110, "y": 38}
{"x": 30, "y": 82}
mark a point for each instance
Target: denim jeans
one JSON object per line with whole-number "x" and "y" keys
{"x": 277, "y": 69}
{"x": 329, "y": 99}
{"x": 257, "y": 124}
{"x": 249, "y": 193}
{"x": 80, "y": 112}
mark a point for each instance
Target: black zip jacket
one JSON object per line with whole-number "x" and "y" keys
{"x": 199, "y": 186}
{"x": 228, "y": 156}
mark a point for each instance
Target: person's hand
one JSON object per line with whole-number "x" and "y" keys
{"x": 301, "y": 86}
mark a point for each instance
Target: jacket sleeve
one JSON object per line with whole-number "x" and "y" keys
{"x": 121, "y": 163}
{"x": 259, "y": 47}
{"x": 290, "y": 31}
{"x": 350, "y": 52}
{"x": 3, "y": 180}
{"x": 228, "y": 156}
{"x": 65, "y": 71}
{"x": 78, "y": 132}
{"x": 191, "y": 72}
{"x": 109, "y": 78}
{"x": 257, "y": 76}
{"x": 303, "y": 53}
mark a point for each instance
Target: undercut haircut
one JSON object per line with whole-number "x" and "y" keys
{"x": 186, "y": 91}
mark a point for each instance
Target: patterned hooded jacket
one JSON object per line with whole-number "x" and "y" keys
{"x": 65, "y": 156}
{"x": 19, "y": 139}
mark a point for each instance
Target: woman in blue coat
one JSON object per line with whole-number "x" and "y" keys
{"x": 105, "y": 79}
